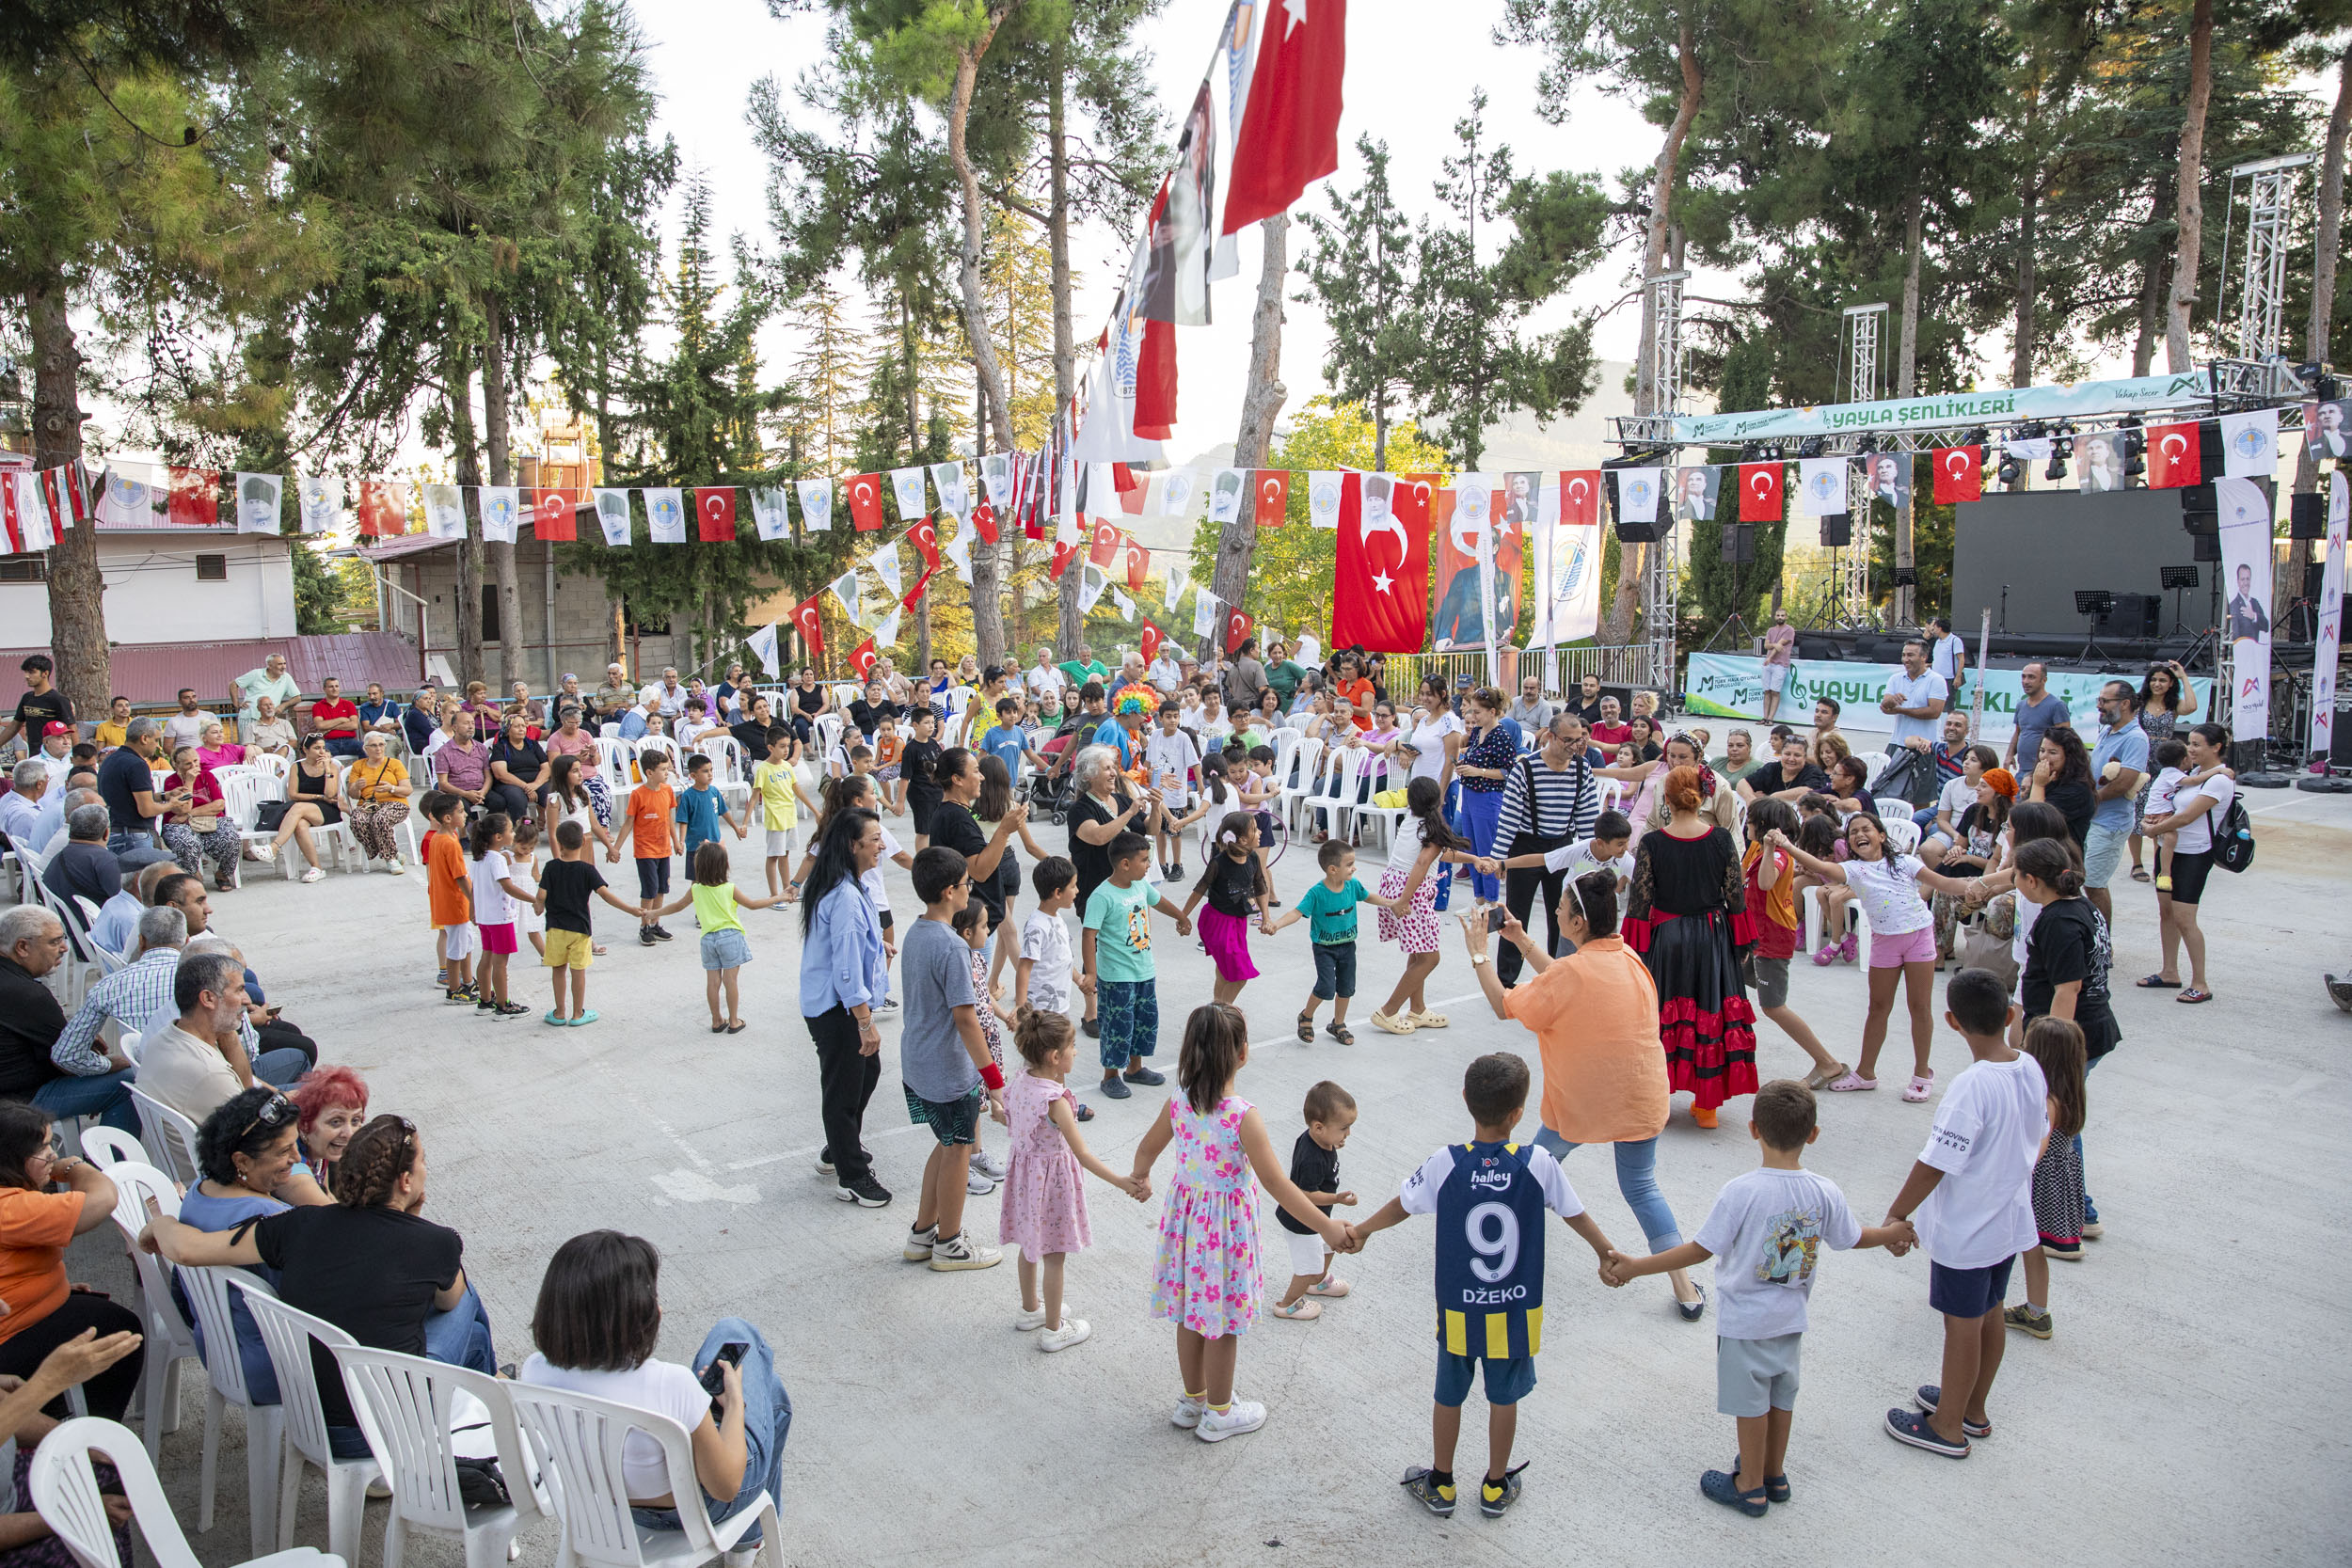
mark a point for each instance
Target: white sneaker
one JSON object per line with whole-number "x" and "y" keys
{"x": 962, "y": 1252}
{"x": 889, "y": 1006}
{"x": 742, "y": 1556}
{"x": 1187, "y": 1412}
{"x": 992, "y": 1164}
{"x": 920, "y": 1244}
{"x": 1216, "y": 1426}
{"x": 394, "y": 866}
{"x": 314, "y": 873}
{"x": 978, "y": 1183}
{"x": 1073, "y": 1331}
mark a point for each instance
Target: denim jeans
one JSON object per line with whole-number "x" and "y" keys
{"x": 103, "y": 1096}
{"x": 1637, "y": 1182}
{"x": 457, "y": 1338}
{"x": 767, "y": 1421}
{"x": 279, "y": 1069}
{"x": 133, "y": 852}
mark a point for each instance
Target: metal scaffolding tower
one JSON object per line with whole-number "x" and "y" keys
{"x": 1853, "y": 598}
{"x": 1862, "y": 351}
{"x": 2263, "y": 291}
{"x": 1662, "y": 574}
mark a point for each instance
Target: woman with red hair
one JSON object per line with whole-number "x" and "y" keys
{"x": 1688, "y": 917}
{"x": 333, "y": 1103}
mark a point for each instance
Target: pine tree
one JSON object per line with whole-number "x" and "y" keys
{"x": 1361, "y": 274}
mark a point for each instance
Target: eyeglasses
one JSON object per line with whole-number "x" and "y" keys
{"x": 275, "y": 1112}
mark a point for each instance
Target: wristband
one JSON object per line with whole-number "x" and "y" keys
{"x": 993, "y": 1076}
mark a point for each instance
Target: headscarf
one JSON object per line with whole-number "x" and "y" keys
{"x": 1708, "y": 784}
{"x": 2004, "y": 782}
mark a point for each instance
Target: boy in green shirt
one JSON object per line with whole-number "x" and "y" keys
{"x": 1331, "y": 905}
{"x": 1118, "y": 967}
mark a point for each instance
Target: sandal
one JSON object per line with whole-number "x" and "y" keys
{"x": 1852, "y": 1083}
{"x": 1921, "y": 1085}
{"x": 2192, "y": 994}
{"x": 2139, "y": 873}
{"x": 1403, "y": 1025}
{"x": 1306, "y": 1028}
{"x": 2156, "y": 982}
{"x": 737, "y": 1027}
{"x": 1340, "y": 1032}
{"x": 1300, "y": 1311}
{"x": 1823, "y": 1077}
{"x": 1329, "y": 1289}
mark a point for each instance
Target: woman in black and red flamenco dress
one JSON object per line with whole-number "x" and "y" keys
{"x": 1688, "y": 917}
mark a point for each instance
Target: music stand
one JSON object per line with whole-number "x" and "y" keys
{"x": 2178, "y": 578}
{"x": 2093, "y": 605}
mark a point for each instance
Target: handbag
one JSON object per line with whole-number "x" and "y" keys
{"x": 268, "y": 815}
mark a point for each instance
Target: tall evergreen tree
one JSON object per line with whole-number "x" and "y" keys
{"x": 1361, "y": 275}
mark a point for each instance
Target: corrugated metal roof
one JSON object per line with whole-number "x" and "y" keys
{"x": 155, "y": 672}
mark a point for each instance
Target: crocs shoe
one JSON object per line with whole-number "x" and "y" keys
{"x": 1928, "y": 1394}
{"x": 1399, "y": 1025}
{"x": 1853, "y": 1082}
{"x": 1724, "y": 1487}
{"x": 1909, "y": 1426}
{"x": 1921, "y": 1085}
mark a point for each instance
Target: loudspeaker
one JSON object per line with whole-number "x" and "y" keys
{"x": 1812, "y": 647}
{"x": 2315, "y": 579}
{"x": 2307, "y": 516}
{"x": 2135, "y": 615}
{"x": 1738, "y": 544}
{"x": 2208, "y": 547}
{"x": 1837, "y": 529}
{"x": 2201, "y": 514}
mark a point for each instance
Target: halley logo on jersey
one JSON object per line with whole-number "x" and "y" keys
{"x": 1491, "y": 1174}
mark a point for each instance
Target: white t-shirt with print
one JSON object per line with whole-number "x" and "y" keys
{"x": 872, "y": 881}
{"x": 1430, "y": 737}
{"x": 1767, "y": 1230}
{"x": 1888, "y": 891}
{"x": 664, "y": 1388}
{"x": 1577, "y": 858}
{"x": 2196, "y": 835}
{"x": 1045, "y": 943}
{"x": 492, "y": 905}
{"x": 1171, "y": 759}
{"x": 1987, "y": 1136}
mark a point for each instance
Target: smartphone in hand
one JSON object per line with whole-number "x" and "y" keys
{"x": 713, "y": 1381}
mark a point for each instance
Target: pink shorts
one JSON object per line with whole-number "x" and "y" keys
{"x": 1886, "y": 952}
{"x": 500, "y": 939}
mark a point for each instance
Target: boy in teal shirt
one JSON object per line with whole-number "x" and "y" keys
{"x": 701, "y": 808}
{"x": 1331, "y": 905}
{"x": 1118, "y": 969}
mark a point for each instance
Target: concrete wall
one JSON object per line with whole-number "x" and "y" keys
{"x": 152, "y": 595}
{"x": 583, "y": 621}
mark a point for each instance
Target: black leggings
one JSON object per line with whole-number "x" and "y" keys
{"x": 108, "y": 1393}
{"x": 846, "y": 1080}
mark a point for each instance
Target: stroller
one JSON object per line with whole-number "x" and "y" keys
{"x": 1045, "y": 786}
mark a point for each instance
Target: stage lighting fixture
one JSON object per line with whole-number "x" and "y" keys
{"x": 1977, "y": 437}
{"x": 2009, "y": 471}
{"x": 2060, "y": 453}
{"x": 1809, "y": 447}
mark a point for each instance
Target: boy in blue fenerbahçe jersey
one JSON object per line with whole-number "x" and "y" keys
{"x": 1490, "y": 1195}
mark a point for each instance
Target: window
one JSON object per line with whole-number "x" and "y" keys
{"x": 490, "y": 632}
{"x": 212, "y": 568}
{"x": 24, "y": 568}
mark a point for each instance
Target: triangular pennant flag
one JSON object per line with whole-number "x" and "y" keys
{"x": 320, "y": 500}
{"x": 815, "y": 505}
{"x": 845, "y": 589}
{"x": 1138, "y": 566}
{"x": 1179, "y": 492}
{"x": 1958, "y": 474}
{"x": 1204, "y": 608}
{"x": 887, "y": 633}
{"x": 954, "y": 500}
{"x": 884, "y": 564}
{"x": 924, "y": 536}
{"x": 1238, "y": 627}
{"x": 195, "y": 497}
{"x": 1127, "y": 605}
{"x": 914, "y": 595}
{"x": 996, "y": 476}
{"x": 958, "y": 548}
{"x": 665, "y": 515}
{"x": 769, "y": 517}
{"x": 906, "y": 490}
{"x": 1063, "y": 556}
{"x": 809, "y": 624}
{"x": 865, "y": 494}
{"x": 257, "y": 497}
{"x": 2172, "y": 456}
{"x": 1322, "y": 498}
{"x": 1153, "y": 638}
{"x": 984, "y": 520}
{"x": 612, "y": 517}
{"x": 1175, "y": 571}
{"x": 498, "y": 507}
{"x": 1105, "y": 547}
{"x": 1225, "y": 495}
{"x": 383, "y": 507}
{"x": 1272, "y": 490}
{"x": 1090, "y": 589}
{"x": 1759, "y": 493}
{"x": 863, "y": 658}
{"x": 763, "y": 645}
{"x": 714, "y": 514}
{"x": 444, "y": 512}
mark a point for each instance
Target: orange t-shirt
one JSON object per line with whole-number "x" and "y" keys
{"x": 649, "y": 814}
{"x": 1595, "y": 1015}
{"x": 446, "y": 884}
{"x": 35, "y": 1230}
{"x": 1360, "y": 701}
{"x": 886, "y": 750}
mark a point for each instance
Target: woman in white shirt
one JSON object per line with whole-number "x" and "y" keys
{"x": 2198, "y": 804}
{"x": 597, "y": 1321}
{"x": 1437, "y": 731}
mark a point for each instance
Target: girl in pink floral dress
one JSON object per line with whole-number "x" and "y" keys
{"x": 1207, "y": 1278}
{"x": 1045, "y": 1203}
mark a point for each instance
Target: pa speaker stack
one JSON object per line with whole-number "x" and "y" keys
{"x": 1837, "y": 529}
{"x": 2307, "y": 515}
{"x": 1738, "y": 544}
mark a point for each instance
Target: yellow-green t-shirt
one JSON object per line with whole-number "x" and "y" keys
{"x": 714, "y": 908}
{"x": 780, "y": 807}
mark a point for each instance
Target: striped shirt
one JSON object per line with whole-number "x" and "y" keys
{"x": 141, "y": 999}
{"x": 1565, "y": 803}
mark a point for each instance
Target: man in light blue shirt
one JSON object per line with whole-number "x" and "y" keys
{"x": 2124, "y": 747}
{"x": 1915, "y": 697}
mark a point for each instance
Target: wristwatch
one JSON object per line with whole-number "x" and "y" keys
{"x": 1477, "y": 959}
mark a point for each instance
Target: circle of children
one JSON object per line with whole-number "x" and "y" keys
{"x": 1130, "y": 764}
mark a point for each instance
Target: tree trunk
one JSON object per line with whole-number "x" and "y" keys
{"x": 1065, "y": 347}
{"x": 1262, "y": 399}
{"x": 2022, "y": 327}
{"x": 2188, "y": 200}
{"x": 468, "y": 467}
{"x": 77, "y": 589}
{"x": 2330, "y": 234}
{"x": 2152, "y": 290}
{"x": 988, "y": 623}
{"x": 1907, "y": 354}
{"x": 496, "y": 436}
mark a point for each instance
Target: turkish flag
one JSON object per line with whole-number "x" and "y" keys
{"x": 383, "y": 507}
{"x": 916, "y": 592}
{"x": 11, "y": 530}
{"x": 1380, "y": 588}
{"x": 552, "y": 517}
{"x": 1759, "y": 493}
{"x": 1273, "y": 494}
{"x": 865, "y": 502}
{"x": 55, "y": 494}
{"x": 1063, "y": 556}
{"x": 1104, "y": 549}
{"x": 195, "y": 497}
{"x": 1153, "y": 638}
{"x": 1958, "y": 474}
{"x": 714, "y": 514}
{"x": 1290, "y": 133}
{"x": 1139, "y": 567}
{"x": 924, "y": 536}
{"x": 1237, "y": 625}
{"x": 1579, "y": 496}
{"x": 2172, "y": 460}
{"x": 984, "y": 519}
{"x": 862, "y": 656}
{"x": 809, "y": 625}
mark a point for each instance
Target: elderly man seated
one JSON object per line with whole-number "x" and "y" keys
{"x": 117, "y": 928}
{"x": 422, "y": 720}
{"x": 199, "y": 1060}
{"x": 270, "y": 729}
{"x": 36, "y": 1063}
{"x": 263, "y": 1030}
{"x": 20, "y": 809}
{"x": 85, "y": 867}
{"x": 644, "y": 718}
{"x": 49, "y": 830}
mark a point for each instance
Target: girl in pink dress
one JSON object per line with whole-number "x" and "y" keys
{"x": 1045, "y": 1203}
{"x": 1207, "y": 1278}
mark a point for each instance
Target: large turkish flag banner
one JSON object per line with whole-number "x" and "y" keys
{"x": 2172, "y": 458}
{"x": 1290, "y": 131}
{"x": 1380, "y": 589}
{"x": 1759, "y": 493}
{"x": 1959, "y": 475}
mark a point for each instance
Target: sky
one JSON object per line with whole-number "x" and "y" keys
{"x": 1408, "y": 81}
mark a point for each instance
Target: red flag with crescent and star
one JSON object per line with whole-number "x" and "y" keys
{"x": 1273, "y": 492}
{"x": 1380, "y": 588}
{"x": 714, "y": 514}
{"x": 1138, "y": 570}
{"x": 866, "y": 509}
{"x": 552, "y": 518}
{"x": 1063, "y": 556}
{"x": 984, "y": 519}
{"x": 1759, "y": 493}
{"x": 1959, "y": 475}
{"x": 862, "y": 656}
{"x": 1290, "y": 128}
{"x": 2173, "y": 458}
{"x": 809, "y": 625}
{"x": 1238, "y": 624}
{"x": 1104, "y": 549}
{"x": 1579, "y": 496}
{"x": 924, "y": 536}
{"x": 915, "y": 592}
{"x": 1153, "y": 639}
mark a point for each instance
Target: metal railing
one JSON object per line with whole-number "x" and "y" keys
{"x": 1559, "y": 669}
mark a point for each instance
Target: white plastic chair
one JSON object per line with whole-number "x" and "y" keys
{"x": 109, "y": 961}
{"x": 1308, "y": 755}
{"x": 1902, "y": 833}
{"x": 168, "y": 1342}
{"x": 728, "y": 769}
{"x": 65, "y": 1491}
{"x": 244, "y": 796}
{"x": 663, "y": 744}
{"x": 407, "y": 1405}
{"x": 272, "y": 764}
{"x": 224, "y": 1365}
{"x": 580, "y": 1439}
{"x": 613, "y": 756}
{"x": 169, "y": 1138}
{"x": 107, "y": 1148}
{"x": 288, "y": 1332}
{"x": 1351, "y": 771}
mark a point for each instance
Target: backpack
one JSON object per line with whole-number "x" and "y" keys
{"x": 2234, "y": 840}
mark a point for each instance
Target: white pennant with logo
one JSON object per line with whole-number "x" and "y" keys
{"x": 845, "y": 588}
{"x": 321, "y": 501}
{"x": 884, "y": 563}
{"x": 906, "y": 490}
{"x": 498, "y": 513}
{"x": 2249, "y": 447}
{"x": 665, "y": 516}
{"x": 1204, "y": 608}
{"x": 769, "y": 515}
{"x": 815, "y": 505}
{"x": 1322, "y": 498}
{"x": 1820, "y": 487}
{"x": 1637, "y": 494}
{"x": 763, "y": 643}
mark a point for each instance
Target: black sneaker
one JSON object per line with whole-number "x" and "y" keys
{"x": 645, "y": 937}
{"x": 511, "y": 1009}
{"x": 1176, "y": 874}
{"x": 1495, "y": 1497}
{"x": 864, "y": 1192}
{"x": 483, "y": 1006}
{"x": 660, "y": 934}
{"x": 1093, "y": 1028}
{"x": 1114, "y": 1089}
{"x": 1436, "y": 1499}
{"x": 1145, "y": 1076}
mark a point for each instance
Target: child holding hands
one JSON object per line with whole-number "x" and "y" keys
{"x": 1235, "y": 884}
{"x": 1330, "y": 1112}
{"x": 1331, "y": 905}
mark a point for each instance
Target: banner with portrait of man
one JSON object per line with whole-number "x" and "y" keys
{"x": 2099, "y": 461}
{"x": 1698, "y": 493}
{"x": 2247, "y": 525}
{"x": 2327, "y": 427}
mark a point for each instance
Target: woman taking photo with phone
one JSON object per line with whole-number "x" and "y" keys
{"x": 596, "y": 1324}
